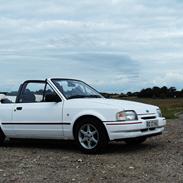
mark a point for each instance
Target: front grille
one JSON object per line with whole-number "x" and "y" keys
{"x": 148, "y": 117}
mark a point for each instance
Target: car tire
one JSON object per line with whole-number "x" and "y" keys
{"x": 135, "y": 141}
{"x": 91, "y": 136}
{"x": 2, "y": 137}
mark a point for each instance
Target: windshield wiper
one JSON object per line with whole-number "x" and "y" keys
{"x": 77, "y": 96}
{"x": 93, "y": 96}
{"x": 83, "y": 96}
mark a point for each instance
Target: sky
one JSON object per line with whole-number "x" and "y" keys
{"x": 114, "y": 45}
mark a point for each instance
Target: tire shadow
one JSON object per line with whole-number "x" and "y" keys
{"x": 70, "y": 146}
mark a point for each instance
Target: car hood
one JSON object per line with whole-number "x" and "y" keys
{"x": 139, "y": 108}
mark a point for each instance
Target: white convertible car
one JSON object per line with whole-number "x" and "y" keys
{"x": 70, "y": 109}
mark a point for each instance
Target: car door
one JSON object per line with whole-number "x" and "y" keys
{"x": 37, "y": 114}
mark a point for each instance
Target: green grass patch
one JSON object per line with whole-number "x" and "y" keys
{"x": 170, "y": 113}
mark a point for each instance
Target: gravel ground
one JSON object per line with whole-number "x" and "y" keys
{"x": 159, "y": 159}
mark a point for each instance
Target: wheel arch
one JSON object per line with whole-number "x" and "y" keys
{"x": 88, "y": 116}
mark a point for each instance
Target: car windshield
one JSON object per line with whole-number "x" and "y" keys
{"x": 72, "y": 89}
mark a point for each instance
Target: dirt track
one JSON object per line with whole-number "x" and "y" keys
{"x": 159, "y": 159}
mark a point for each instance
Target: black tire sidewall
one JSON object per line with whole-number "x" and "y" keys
{"x": 103, "y": 140}
{"x": 2, "y": 137}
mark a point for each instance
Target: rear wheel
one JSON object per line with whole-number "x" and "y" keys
{"x": 135, "y": 141}
{"x": 91, "y": 135}
{"x": 2, "y": 137}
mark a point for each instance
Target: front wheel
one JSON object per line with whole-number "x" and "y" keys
{"x": 91, "y": 136}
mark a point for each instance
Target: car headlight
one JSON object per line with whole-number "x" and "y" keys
{"x": 126, "y": 116}
{"x": 159, "y": 113}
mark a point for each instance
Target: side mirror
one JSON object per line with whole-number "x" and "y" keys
{"x": 2, "y": 100}
{"x": 52, "y": 98}
{"x": 5, "y": 101}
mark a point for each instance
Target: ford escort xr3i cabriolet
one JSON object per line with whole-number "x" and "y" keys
{"x": 70, "y": 109}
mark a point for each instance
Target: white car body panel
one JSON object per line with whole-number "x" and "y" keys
{"x": 6, "y": 113}
{"x": 62, "y": 116}
{"x": 32, "y": 113}
{"x": 38, "y": 113}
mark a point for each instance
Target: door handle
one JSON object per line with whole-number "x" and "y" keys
{"x": 18, "y": 109}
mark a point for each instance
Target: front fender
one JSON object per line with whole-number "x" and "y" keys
{"x": 88, "y": 113}
{"x": 72, "y": 118}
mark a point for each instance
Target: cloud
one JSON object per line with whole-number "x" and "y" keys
{"x": 95, "y": 68}
{"x": 131, "y": 43}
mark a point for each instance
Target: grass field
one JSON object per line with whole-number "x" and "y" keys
{"x": 169, "y": 107}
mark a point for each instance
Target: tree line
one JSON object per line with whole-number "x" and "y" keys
{"x": 155, "y": 92}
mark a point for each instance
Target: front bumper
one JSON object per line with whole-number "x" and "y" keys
{"x": 125, "y": 130}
